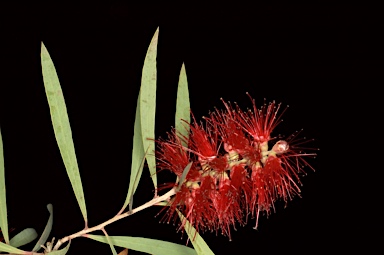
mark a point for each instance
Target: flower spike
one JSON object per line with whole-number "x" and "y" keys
{"x": 234, "y": 174}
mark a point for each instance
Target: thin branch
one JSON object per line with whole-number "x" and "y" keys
{"x": 154, "y": 201}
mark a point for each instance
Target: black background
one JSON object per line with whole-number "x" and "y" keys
{"x": 311, "y": 57}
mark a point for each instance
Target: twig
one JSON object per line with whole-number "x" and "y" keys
{"x": 154, "y": 201}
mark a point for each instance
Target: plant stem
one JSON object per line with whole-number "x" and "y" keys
{"x": 154, "y": 201}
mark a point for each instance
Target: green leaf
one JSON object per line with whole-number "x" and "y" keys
{"x": 24, "y": 237}
{"x": 47, "y": 230}
{"x": 137, "y": 158}
{"x": 62, "y": 251}
{"x": 148, "y": 105}
{"x": 198, "y": 242}
{"x": 62, "y": 127}
{"x": 10, "y": 249}
{"x": 3, "y": 201}
{"x": 110, "y": 244}
{"x": 185, "y": 172}
{"x": 151, "y": 246}
{"x": 183, "y": 107}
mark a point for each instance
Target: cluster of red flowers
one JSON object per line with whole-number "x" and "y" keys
{"x": 233, "y": 173}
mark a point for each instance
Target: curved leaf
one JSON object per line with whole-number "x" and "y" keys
{"x": 3, "y": 200}
{"x": 198, "y": 242}
{"x": 24, "y": 237}
{"x": 47, "y": 230}
{"x": 10, "y": 249}
{"x": 183, "y": 107}
{"x": 61, "y": 126}
{"x": 182, "y": 178}
{"x": 137, "y": 158}
{"x": 62, "y": 251}
{"x": 151, "y": 246}
{"x": 110, "y": 243}
{"x": 148, "y": 105}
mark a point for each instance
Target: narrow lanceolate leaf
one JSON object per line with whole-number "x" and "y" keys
{"x": 10, "y": 249}
{"x": 62, "y": 251}
{"x": 61, "y": 126}
{"x": 3, "y": 201}
{"x": 182, "y": 178}
{"x": 137, "y": 158}
{"x": 151, "y": 246}
{"x": 198, "y": 242}
{"x": 24, "y": 237}
{"x": 148, "y": 105}
{"x": 183, "y": 107}
{"x": 47, "y": 230}
{"x": 110, "y": 244}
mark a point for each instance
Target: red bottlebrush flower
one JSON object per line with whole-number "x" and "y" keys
{"x": 241, "y": 181}
{"x": 262, "y": 199}
{"x": 236, "y": 141}
{"x": 271, "y": 182}
{"x": 171, "y": 155}
{"x": 203, "y": 141}
{"x": 260, "y": 123}
{"x": 219, "y": 164}
{"x": 234, "y": 173}
{"x": 277, "y": 177}
{"x": 227, "y": 207}
{"x": 230, "y": 131}
{"x": 194, "y": 201}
